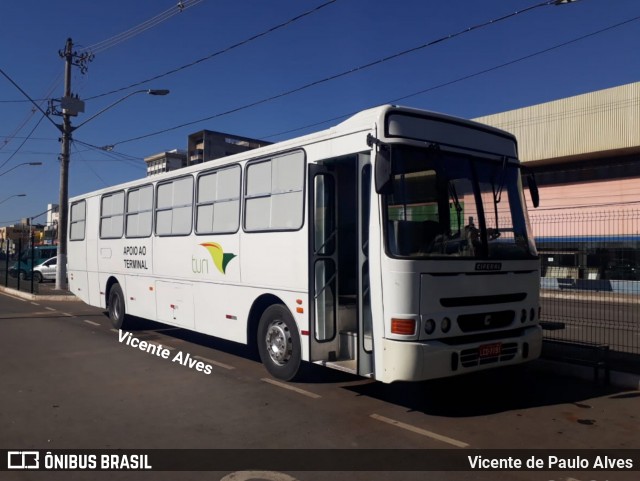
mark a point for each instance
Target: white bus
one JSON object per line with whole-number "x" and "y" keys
{"x": 395, "y": 245}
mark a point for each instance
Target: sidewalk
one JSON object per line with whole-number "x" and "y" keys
{"x": 46, "y": 292}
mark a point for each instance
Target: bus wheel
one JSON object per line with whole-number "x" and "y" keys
{"x": 116, "y": 306}
{"x": 279, "y": 343}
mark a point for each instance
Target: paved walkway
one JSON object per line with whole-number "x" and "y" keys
{"x": 44, "y": 291}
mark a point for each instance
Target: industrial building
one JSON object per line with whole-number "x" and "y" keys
{"x": 585, "y": 152}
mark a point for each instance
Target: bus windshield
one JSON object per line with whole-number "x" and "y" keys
{"x": 452, "y": 205}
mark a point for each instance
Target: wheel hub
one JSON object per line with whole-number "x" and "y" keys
{"x": 116, "y": 308}
{"x": 279, "y": 344}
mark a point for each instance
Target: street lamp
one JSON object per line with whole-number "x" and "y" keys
{"x": 66, "y": 129}
{"x": 145, "y": 91}
{"x": 12, "y": 196}
{"x": 15, "y": 167}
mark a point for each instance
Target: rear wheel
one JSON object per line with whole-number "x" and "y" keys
{"x": 279, "y": 343}
{"x": 22, "y": 275}
{"x": 117, "y": 312}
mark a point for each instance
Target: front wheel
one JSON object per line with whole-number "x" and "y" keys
{"x": 279, "y": 343}
{"x": 117, "y": 312}
{"x": 38, "y": 276}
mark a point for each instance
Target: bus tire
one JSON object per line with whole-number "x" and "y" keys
{"x": 117, "y": 312}
{"x": 279, "y": 343}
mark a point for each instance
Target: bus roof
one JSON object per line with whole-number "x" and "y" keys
{"x": 359, "y": 122}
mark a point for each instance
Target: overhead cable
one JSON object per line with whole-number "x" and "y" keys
{"x": 219, "y": 52}
{"x": 22, "y": 144}
{"x": 465, "y": 77}
{"x": 345, "y": 73}
{"x": 138, "y": 29}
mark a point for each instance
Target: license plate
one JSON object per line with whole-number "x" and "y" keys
{"x": 490, "y": 350}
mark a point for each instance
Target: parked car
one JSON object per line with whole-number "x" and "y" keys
{"x": 46, "y": 271}
{"x": 22, "y": 268}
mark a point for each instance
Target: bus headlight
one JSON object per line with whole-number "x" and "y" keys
{"x": 429, "y": 326}
{"x": 445, "y": 325}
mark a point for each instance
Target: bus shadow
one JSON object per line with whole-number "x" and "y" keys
{"x": 476, "y": 394}
{"x": 152, "y": 330}
{"x": 309, "y": 374}
{"x": 487, "y": 392}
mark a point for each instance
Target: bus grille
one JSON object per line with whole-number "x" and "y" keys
{"x": 471, "y": 357}
{"x": 485, "y": 321}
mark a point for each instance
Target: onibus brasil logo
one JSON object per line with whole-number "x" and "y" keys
{"x": 220, "y": 259}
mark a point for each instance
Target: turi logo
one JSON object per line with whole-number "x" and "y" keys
{"x": 200, "y": 265}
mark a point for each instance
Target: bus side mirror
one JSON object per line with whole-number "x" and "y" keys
{"x": 533, "y": 189}
{"x": 383, "y": 170}
{"x": 382, "y": 174}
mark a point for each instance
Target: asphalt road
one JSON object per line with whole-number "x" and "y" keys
{"x": 67, "y": 382}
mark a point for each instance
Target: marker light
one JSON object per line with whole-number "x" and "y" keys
{"x": 429, "y": 326}
{"x": 406, "y": 327}
{"x": 445, "y": 325}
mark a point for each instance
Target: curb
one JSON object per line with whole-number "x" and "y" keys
{"x": 34, "y": 297}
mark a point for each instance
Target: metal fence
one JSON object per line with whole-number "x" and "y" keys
{"x": 590, "y": 267}
{"x": 16, "y": 267}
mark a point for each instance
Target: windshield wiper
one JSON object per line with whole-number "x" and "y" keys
{"x": 456, "y": 202}
{"x": 497, "y": 197}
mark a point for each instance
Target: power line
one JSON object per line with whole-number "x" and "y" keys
{"x": 28, "y": 97}
{"x": 345, "y": 73}
{"x": 30, "y": 114}
{"x": 465, "y": 77}
{"x": 220, "y": 52}
{"x": 99, "y": 47}
{"x": 121, "y": 37}
{"x": 129, "y": 160}
{"x": 138, "y": 29}
{"x": 22, "y": 144}
{"x": 90, "y": 166}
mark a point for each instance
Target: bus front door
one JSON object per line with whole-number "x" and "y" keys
{"x": 340, "y": 327}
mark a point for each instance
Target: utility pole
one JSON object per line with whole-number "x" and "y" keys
{"x": 63, "y": 212}
{"x": 71, "y": 106}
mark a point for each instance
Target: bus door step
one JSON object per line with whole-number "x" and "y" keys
{"x": 348, "y": 345}
{"x": 349, "y": 366}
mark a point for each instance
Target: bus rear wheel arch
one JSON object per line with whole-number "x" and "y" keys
{"x": 279, "y": 343}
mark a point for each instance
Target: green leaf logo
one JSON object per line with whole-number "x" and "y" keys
{"x": 220, "y": 258}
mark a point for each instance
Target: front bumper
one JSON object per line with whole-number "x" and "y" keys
{"x": 422, "y": 360}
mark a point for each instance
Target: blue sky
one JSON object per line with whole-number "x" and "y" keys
{"x": 337, "y": 38}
